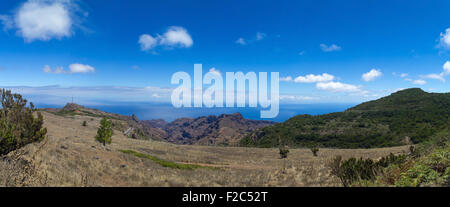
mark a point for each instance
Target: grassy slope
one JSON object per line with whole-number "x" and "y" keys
{"x": 72, "y": 157}
{"x": 404, "y": 116}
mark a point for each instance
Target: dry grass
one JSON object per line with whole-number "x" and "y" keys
{"x": 71, "y": 157}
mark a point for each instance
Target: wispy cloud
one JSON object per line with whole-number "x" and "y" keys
{"x": 258, "y": 37}
{"x": 297, "y": 98}
{"x": 403, "y": 75}
{"x": 338, "y": 87}
{"x": 419, "y": 82}
{"x": 440, "y": 76}
{"x": 286, "y": 79}
{"x": 73, "y": 68}
{"x": 241, "y": 41}
{"x": 434, "y": 76}
{"x": 7, "y": 22}
{"x": 310, "y": 78}
{"x": 330, "y": 48}
{"x": 444, "y": 40}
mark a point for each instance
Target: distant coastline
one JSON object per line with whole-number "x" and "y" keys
{"x": 165, "y": 111}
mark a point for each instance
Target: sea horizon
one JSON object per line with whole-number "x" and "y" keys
{"x": 165, "y": 111}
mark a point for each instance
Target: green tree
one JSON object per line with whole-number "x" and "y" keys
{"x": 18, "y": 125}
{"x": 104, "y": 132}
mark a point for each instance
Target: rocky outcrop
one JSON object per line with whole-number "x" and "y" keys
{"x": 226, "y": 129}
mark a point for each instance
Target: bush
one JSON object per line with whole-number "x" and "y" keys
{"x": 353, "y": 170}
{"x": 84, "y": 123}
{"x": 314, "y": 149}
{"x": 337, "y": 170}
{"x": 284, "y": 152}
{"x": 18, "y": 126}
{"x": 104, "y": 132}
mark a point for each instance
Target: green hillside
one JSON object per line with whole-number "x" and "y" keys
{"x": 407, "y": 116}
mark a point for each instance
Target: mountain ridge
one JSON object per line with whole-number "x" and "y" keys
{"x": 404, "y": 117}
{"x": 225, "y": 129}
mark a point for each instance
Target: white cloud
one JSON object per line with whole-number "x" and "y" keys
{"x": 286, "y": 79}
{"x": 445, "y": 39}
{"x": 419, "y": 82}
{"x": 403, "y": 75}
{"x": 330, "y": 48}
{"x": 73, "y": 68}
{"x": 57, "y": 70}
{"x": 446, "y": 68}
{"x": 434, "y": 76}
{"x": 440, "y": 76}
{"x": 296, "y": 98}
{"x": 147, "y": 42}
{"x": 311, "y": 78}
{"x": 80, "y": 68}
{"x": 175, "y": 36}
{"x": 43, "y": 19}
{"x": 337, "y": 87}
{"x": 302, "y": 53}
{"x": 372, "y": 75}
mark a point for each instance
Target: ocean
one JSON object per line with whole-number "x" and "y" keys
{"x": 148, "y": 111}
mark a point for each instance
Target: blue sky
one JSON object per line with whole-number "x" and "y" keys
{"x": 116, "y": 50}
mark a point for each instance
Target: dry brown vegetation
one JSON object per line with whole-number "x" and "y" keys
{"x": 70, "y": 156}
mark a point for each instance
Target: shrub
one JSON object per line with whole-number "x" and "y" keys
{"x": 84, "y": 123}
{"x": 104, "y": 132}
{"x": 337, "y": 170}
{"x": 353, "y": 170}
{"x": 18, "y": 126}
{"x": 314, "y": 149}
{"x": 284, "y": 152}
{"x": 391, "y": 159}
